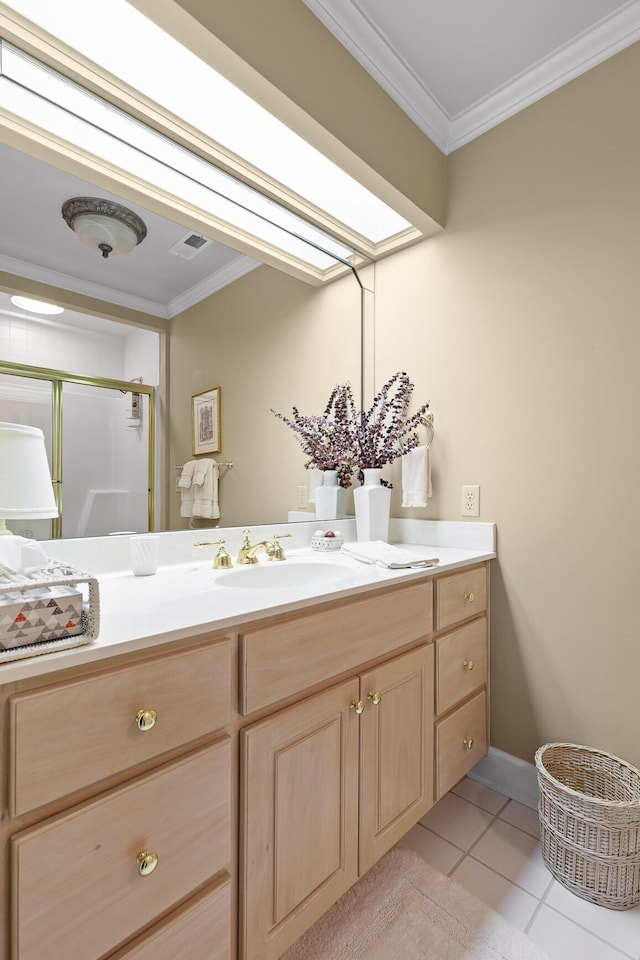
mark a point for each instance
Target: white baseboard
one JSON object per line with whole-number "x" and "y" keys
{"x": 509, "y": 775}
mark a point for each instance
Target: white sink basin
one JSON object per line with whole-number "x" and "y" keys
{"x": 286, "y": 575}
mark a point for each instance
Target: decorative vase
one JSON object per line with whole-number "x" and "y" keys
{"x": 372, "y": 504}
{"x": 328, "y": 496}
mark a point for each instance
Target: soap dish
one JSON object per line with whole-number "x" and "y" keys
{"x": 326, "y": 544}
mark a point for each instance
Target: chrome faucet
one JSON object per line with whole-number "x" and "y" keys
{"x": 248, "y": 551}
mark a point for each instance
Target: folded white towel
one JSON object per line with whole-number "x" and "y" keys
{"x": 205, "y": 490}
{"x": 185, "y": 485}
{"x": 416, "y": 477}
{"x": 315, "y": 480}
{"x": 385, "y": 555}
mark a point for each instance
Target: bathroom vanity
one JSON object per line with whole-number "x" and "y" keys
{"x": 209, "y": 791}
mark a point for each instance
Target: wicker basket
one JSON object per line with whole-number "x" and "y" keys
{"x": 589, "y": 806}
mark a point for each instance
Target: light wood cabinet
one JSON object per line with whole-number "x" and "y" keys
{"x": 121, "y": 838}
{"x": 330, "y": 784}
{"x": 80, "y": 731}
{"x": 462, "y": 674}
{"x": 300, "y": 817}
{"x": 267, "y": 769}
{"x": 79, "y": 884}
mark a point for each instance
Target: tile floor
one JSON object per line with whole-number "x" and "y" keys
{"x": 489, "y": 844}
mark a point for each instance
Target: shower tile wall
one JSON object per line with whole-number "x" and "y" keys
{"x": 73, "y": 350}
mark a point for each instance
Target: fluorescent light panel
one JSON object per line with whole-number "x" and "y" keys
{"x": 122, "y": 40}
{"x": 57, "y": 105}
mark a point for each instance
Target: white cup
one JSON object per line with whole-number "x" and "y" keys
{"x": 144, "y": 550}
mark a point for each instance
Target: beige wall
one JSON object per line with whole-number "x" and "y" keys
{"x": 520, "y": 324}
{"x": 269, "y": 341}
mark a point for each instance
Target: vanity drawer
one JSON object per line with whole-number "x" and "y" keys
{"x": 461, "y": 740}
{"x": 460, "y": 596}
{"x": 204, "y": 923}
{"x": 77, "y": 887}
{"x": 69, "y": 736}
{"x": 285, "y": 658}
{"x": 461, "y": 664}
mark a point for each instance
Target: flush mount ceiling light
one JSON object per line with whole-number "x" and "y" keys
{"x": 36, "y": 306}
{"x": 104, "y": 225}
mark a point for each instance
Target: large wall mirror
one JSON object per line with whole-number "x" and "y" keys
{"x": 215, "y": 318}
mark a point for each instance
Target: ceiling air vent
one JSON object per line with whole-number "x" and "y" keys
{"x": 189, "y": 246}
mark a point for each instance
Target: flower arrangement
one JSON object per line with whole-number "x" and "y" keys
{"x": 385, "y": 432}
{"x": 344, "y": 438}
{"x": 326, "y": 439}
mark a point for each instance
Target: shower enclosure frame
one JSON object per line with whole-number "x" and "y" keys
{"x": 57, "y": 378}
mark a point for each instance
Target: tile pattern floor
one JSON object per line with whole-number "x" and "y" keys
{"x": 489, "y": 844}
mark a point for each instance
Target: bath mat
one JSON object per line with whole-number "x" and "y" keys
{"x": 403, "y": 909}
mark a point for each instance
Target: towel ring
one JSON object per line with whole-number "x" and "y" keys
{"x": 427, "y": 421}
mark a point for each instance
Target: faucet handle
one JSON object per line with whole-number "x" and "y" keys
{"x": 244, "y": 549}
{"x": 222, "y": 558}
{"x": 278, "y": 553}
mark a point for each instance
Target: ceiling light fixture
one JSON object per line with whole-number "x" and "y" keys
{"x": 36, "y": 306}
{"x": 104, "y": 225}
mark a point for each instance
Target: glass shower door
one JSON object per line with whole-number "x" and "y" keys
{"x": 105, "y": 458}
{"x": 29, "y": 402}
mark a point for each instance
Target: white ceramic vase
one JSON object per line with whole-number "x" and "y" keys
{"x": 372, "y": 504}
{"x": 328, "y": 496}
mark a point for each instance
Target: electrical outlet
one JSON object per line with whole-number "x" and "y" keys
{"x": 302, "y": 496}
{"x": 470, "y": 506}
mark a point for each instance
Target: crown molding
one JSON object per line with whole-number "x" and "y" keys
{"x": 356, "y": 33}
{"x": 594, "y": 46}
{"x": 221, "y": 278}
{"x": 359, "y": 36}
{"x": 237, "y": 268}
{"x": 84, "y": 287}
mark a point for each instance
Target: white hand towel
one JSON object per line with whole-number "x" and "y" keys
{"x": 205, "y": 490}
{"x": 185, "y": 485}
{"x": 416, "y": 477}
{"x": 385, "y": 555}
{"x": 315, "y": 480}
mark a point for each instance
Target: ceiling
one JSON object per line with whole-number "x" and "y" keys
{"x": 455, "y": 67}
{"x": 459, "y": 67}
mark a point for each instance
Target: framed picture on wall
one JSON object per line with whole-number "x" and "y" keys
{"x": 205, "y": 422}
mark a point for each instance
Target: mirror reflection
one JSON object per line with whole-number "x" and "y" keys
{"x": 182, "y": 321}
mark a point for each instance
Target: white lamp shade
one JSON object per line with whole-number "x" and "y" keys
{"x": 25, "y": 479}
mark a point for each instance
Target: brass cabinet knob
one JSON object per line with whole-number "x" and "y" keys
{"x": 145, "y": 719}
{"x": 469, "y": 597}
{"x": 468, "y": 743}
{"x": 469, "y": 664}
{"x": 147, "y": 862}
{"x": 375, "y": 697}
{"x": 358, "y": 706}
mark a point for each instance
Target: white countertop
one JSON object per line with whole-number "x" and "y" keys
{"x": 185, "y": 598}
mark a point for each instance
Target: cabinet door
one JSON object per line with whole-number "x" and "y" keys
{"x": 300, "y": 810}
{"x": 396, "y": 753}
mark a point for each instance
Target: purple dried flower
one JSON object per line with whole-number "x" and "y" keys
{"x": 343, "y": 438}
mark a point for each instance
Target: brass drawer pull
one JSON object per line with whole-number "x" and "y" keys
{"x": 147, "y": 862}
{"x": 469, "y": 664}
{"x": 358, "y": 706}
{"x": 469, "y": 597}
{"x": 375, "y": 697}
{"x": 468, "y": 743}
{"x": 145, "y": 719}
